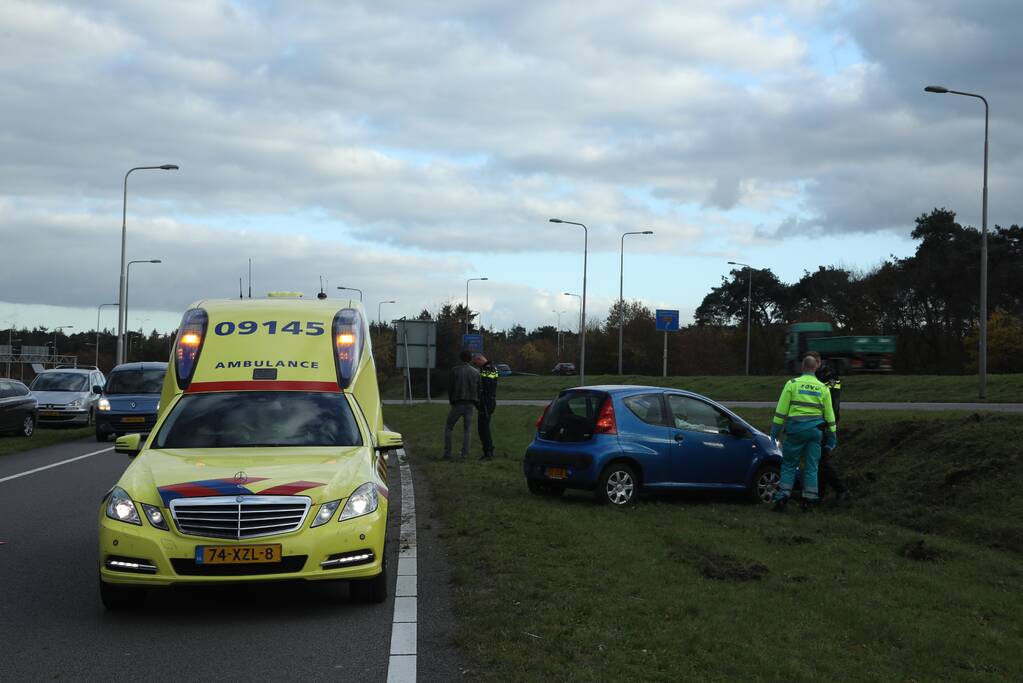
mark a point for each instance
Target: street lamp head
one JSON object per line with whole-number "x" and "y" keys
{"x": 556, "y": 220}
{"x": 936, "y": 89}
{"x": 647, "y": 232}
{"x": 156, "y": 260}
{"x": 732, "y": 263}
{"x": 169, "y": 167}
{"x": 484, "y": 278}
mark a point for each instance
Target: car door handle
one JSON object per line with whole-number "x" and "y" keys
{"x": 713, "y": 444}
{"x": 680, "y": 437}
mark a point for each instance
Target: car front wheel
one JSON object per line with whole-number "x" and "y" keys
{"x": 765, "y": 483}
{"x": 370, "y": 590}
{"x": 28, "y": 426}
{"x": 618, "y": 485}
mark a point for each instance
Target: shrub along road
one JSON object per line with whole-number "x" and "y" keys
{"x": 919, "y": 578}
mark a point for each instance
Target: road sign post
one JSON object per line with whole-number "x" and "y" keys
{"x": 666, "y": 321}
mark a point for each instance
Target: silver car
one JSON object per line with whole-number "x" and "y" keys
{"x": 68, "y": 395}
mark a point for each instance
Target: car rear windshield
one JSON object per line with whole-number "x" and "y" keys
{"x": 135, "y": 382}
{"x": 572, "y": 416}
{"x": 60, "y": 381}
{"x": 259, "y": 419}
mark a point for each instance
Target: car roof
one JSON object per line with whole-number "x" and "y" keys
{"x": 86, "y": 371}
{"x": 140, "y": 366}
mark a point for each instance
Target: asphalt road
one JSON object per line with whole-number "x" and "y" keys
{"x": 53, "y": 626}
{"x": 846, "y": 405}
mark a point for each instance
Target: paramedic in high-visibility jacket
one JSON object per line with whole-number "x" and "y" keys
{"x": 804, "y": 406}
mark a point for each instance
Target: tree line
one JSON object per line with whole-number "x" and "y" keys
{"x": 929, "y": 300}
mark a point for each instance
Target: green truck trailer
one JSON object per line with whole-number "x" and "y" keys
{"x": 853, "y": 353}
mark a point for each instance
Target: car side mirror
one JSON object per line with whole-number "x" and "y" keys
{"x": 388, "y": 441}
{"x": 97, "y": 389}
{"x": 129, "y": 444}
{"x": 738, "y": 430}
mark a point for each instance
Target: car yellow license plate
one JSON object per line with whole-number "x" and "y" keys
{"x": 557, "y": 473}
{"x": 237, "y": 554}
{"x": 133, "y": 419}
{"x": 48, "y": 413}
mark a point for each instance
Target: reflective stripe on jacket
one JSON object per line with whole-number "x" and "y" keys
{"x": 805, "y": 399}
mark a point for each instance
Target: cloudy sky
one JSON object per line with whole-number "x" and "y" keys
{"x": 403, "y": 147}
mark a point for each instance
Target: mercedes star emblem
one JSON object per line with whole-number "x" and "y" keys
{"x": 240, "y": 477}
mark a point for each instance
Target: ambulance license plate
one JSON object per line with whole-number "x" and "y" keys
{"x": 237, "y": 554}
{"x": 557, "y": 473}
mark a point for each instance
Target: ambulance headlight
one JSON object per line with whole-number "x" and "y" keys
{"x": 325, "y": 512}
{"x": 362, "y": 502}
{"x": 121, "y": 507}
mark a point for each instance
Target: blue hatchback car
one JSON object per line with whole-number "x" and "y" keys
{"x": 618, "y": 440}
{"x": 130, "y": 400}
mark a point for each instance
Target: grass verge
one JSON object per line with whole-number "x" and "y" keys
{"x": 42, "y": 437}
{"x": 902, "y": 388}
{"x": 688, "y": 587}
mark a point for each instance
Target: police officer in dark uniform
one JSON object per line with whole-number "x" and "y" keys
{"x": 487, "y": 403}
{"x": 827, "y": 476}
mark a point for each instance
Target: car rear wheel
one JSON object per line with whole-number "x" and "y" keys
{"x": 544, "y": 488}
{"x": 370, "y": 590}
{"x": 28, "y": 426}
{"x": 618, "y": 485}
{"x": 765, "y": 483}
{"x": 117, "y": 598}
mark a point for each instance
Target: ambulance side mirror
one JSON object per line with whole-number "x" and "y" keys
{"x": 388, "y": 441}
{"x": 129, "y": 444}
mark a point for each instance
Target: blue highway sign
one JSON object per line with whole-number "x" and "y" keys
{"x": 667, "y": 321}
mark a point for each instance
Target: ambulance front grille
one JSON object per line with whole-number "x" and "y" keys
{"x": 239, "y": 517}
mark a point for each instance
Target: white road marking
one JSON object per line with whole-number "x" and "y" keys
{"x": 404, "y": 634}
{"x": 56, "y": 464}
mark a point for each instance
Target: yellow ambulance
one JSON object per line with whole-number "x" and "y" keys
{"x": 268, "y": 460}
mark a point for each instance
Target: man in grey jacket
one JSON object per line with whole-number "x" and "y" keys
{"x": 463, "y": 392}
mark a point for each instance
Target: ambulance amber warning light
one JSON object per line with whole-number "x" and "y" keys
{"x": 345, "y": 339}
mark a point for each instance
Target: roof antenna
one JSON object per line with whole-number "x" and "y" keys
{"x": 322, "y": 294}
{"x": 240, "y": 295}
{"x": 250, "y": 278}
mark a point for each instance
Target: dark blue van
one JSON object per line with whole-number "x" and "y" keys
{"x": 130, "y": 400}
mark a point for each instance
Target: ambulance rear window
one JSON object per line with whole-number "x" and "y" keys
{"x": 259, "y": 419}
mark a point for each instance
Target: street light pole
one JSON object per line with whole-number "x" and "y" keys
{"x": 472, "y": 279}
{"x": 55, "y": 330}
{"x": 582, "y": 334}
{"x": 379, "y": 320}
{"x": 122, "y": 314}
{"x": 98, "y": 309}
{"x": 127, "y": 282}
{"x": 579, "y": 296}
{"x": 621, "y": 300}
{"x": 982, "y": 353}
{"x": 749, "y": 307}
{"x": 558, "y": 337}
{"x": 354, "y": 289}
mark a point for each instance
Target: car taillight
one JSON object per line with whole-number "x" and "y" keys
{"x": 606, "y": 420}
{"x": 348, "y": 337}
{"x": 543, "y": 416}
{"x": 188, "y": 345}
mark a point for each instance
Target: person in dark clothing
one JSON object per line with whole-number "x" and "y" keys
{"x": 827, "y": 475}
{"x": 487, "y": 403}
{"x": 463, "y": 393}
